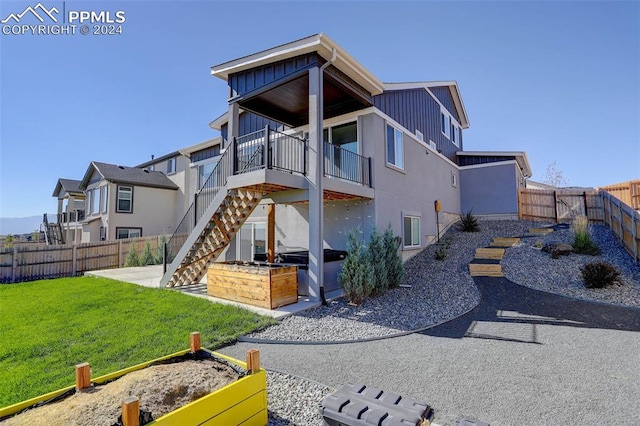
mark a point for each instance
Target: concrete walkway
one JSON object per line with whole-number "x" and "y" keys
{"x": 520, "y": 357}
{"x": 149, "y": 276}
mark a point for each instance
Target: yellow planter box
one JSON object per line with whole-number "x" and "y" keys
{"x": 241, "y": 402}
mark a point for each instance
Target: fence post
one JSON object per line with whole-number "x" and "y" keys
{"x": 74, "y": 261}
{"x": 14, "y": 265}
{"x": 634, "y": 235}
{"x": 119, "y": 253}
{"x": 164, "y": 258}
{"x": 586, "y": 205}
{"x": 555, "y": 205}
{"x": 265, "y": 150}
{"x": 520, "y": 204}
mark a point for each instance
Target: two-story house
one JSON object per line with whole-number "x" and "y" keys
{"x": 126, "y": 202}
{"x": 315, "y": 145}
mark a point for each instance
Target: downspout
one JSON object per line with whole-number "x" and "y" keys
{"x": 334, "y": 56}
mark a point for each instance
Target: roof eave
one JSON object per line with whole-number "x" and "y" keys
{"x": 319, "y": 43}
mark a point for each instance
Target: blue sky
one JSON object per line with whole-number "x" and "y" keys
{"x": 559, "y": 80}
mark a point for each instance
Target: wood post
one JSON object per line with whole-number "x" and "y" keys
{"x": 519, "y": 204}
{"x": 119, "y": 253}
{"x": 271, "y": 233}
{"x": 586, "y": 205}
{"x": 194, "y": 341}
{"x": 253, "y": 360}
{"x": 131, "y": 411}
{"x": 83, "y": 376}
{"x": 14, "y": 265}
{"x": 555, "y": 205}
{"x": 74, "y": 261}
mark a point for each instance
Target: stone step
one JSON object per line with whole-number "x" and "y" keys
{"x": 485, "y": 268}
{"x": 489, "y": 253}
{"x": 540, "y": 231}
{"x": 504, "y": 242}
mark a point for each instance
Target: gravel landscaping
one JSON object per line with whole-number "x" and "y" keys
{"x": 536, "y": 269}
{"x": 440, "y": 290}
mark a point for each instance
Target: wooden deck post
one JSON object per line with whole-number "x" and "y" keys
{"x": 194, "y": 341}
{"x": 131, "y": 411}
{"x": 271, "y": 233}
{"x": 253, "y": 360}
{"x": 83, "y": 376}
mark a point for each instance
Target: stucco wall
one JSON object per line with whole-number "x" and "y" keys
{"x": 490, "y": 189}
{"x": 426, "y": 177}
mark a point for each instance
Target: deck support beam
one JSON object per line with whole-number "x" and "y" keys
{"x": 316, "y": 213}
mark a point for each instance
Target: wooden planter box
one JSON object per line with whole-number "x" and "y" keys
{"x": 241, "y": 402}
{"x": 259, "y": 284}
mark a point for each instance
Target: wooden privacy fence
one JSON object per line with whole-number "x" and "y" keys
{"x": 624, "y": 222}
{"x": 27, "y": 262}
{"x": 627, "y": 192}
{"x": 560, "y": 205}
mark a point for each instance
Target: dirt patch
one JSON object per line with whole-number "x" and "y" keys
{"x": 161, "y": 389}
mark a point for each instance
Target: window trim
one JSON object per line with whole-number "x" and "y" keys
{"x": 454, "y": 180}
{"x": 118, "y": 199}
{"x": 412, "y": 216}
{"x": 129, "y": 228}
{"x": 104, "y": 198}
{"x": 170, "y": 161}
{"x": 396, "y": 131}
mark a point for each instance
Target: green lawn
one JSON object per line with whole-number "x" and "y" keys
{"x": 49, "y": 326}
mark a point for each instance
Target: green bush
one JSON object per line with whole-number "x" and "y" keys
{"x": 468, "y": 223}
{"x": 159, "y": 258}
{"x": 378, "y": 259}
{"x": 132, "y": 256}
{"x": 147, "y": 257}
{"x": 599, "y": 274}
{"x": 582, "y": 242}
{"x": 356, "y": 277}
{"x": 393, "y": 261}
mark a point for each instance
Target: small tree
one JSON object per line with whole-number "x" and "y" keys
{"x": 356, "y": 277}
{"x": 8, "y": 242}
{"x": 393, "y": 261}
{"x": 554, "y": 176}
{"x": 159, "y": 258}
{"x": 147, "y": 256}
{"x": 132, "y": 256}
{"x": 378, "y": 259}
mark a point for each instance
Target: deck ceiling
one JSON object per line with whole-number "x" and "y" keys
{"x": 288, "y": 102}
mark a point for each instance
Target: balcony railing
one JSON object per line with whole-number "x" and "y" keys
{"x": 66, "y": 217}
{"x": 343, "y": 164}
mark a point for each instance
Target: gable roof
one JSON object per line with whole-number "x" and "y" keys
{"x": 68, "y": 186}
{"x": 319, "y": 43}
{"x": 427, "y": 85}
{"x": 129, "y": 175}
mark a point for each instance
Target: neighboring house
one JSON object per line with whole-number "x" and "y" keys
{"x": 314, "y": 145}
{"x": 539, "y": 185}
{"x": 70, "y": 214}
{"x": 127, "y": 202}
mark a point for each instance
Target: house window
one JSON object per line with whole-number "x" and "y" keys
{"x": 95, "y": 201}
{"x": 419, "y": 135}
{"x": 395, "y": 154}
{"x": 151, "y": 167}
{"x": 345, "y": 136}
{"x": 411, "y": 231}
{"x": 171, "y": 166}
{"x": 125, "y": 199}
{"x": 104, "y": 198}
{"x": 445, "y": 121}
{"x": 454, "y": 180}
{"x": 455, "y": 134}
{"x": 122, "y": 233}
{"x": 204, "y": 171}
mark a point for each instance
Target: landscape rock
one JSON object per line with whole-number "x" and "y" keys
{"x": 558, "y": 249}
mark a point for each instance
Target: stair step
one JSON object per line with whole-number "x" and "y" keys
{"x": 540, "y": 231}
{"x": 489, "y": 253}
{"x": 485, "y": 268}
{"x": 504, "y": 242}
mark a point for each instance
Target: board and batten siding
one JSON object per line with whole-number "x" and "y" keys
{"x": 443, "y": 93}
{"x": 249, "y": 123}
{"x": 416, "y": 109}
{"x": 247, "y": 81}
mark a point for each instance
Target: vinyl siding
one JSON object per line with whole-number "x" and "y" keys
{"x": 416, "y": 109}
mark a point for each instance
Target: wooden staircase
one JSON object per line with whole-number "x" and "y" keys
{"x": 52, "y": 232}
{"x": 227, "y": 213}
{"x": 487, "y": 259}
